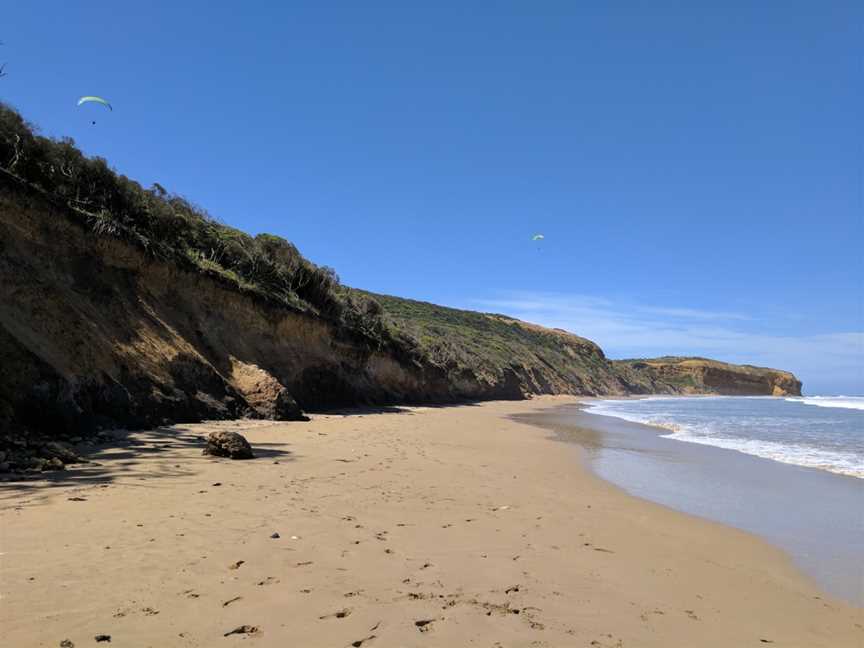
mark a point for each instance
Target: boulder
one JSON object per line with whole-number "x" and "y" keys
{"x": 265, "y": 394}
{"x": 224, "y": 443}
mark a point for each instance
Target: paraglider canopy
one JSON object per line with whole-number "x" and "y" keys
{"x": 537, "y": 237}
{"x": 94, "y": 99}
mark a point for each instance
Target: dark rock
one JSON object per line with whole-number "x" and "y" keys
{"x": 275, "y": 536}
{"x": 224, "y": 443}
{"x": 102, "y": 637}
{"x": 55, "y": 450}
{"x": 66, "y": 644}
{"x": 286, "y": 409}
{"x": 52, "y": 464}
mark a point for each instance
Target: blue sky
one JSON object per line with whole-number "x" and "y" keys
{"x": 696, "y": 168}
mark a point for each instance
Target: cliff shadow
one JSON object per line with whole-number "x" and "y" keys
{"x": 137, "y": 459}
{"x": 406, "y": 408}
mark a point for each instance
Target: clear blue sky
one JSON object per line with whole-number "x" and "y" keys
{"x": 696, "y": 168}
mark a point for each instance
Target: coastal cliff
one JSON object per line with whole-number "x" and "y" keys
{"x": 126, "y": 307}
{"x": 704, "y": 376}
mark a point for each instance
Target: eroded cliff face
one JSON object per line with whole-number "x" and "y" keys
{"x": 95, "y": 333}
{"x": 703, "y": 376}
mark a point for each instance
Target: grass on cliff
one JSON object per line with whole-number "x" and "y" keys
{"x": 168, "y": 226}
{"x": 694, "y": 362}
{"x": 466, "y": 339}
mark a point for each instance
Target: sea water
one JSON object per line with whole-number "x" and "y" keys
{"x": 823, "y": 432}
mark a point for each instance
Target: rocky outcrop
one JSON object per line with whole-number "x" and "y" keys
{"x": 704, "y": 376}
{"x": 264, "y": 394}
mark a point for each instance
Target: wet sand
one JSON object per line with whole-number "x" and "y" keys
{"x": 814, "y": 515}
{"x": 410, "y": 527}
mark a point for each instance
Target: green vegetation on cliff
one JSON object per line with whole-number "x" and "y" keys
{"x": 551, "y": 360}
{"x": 169, "y": 227}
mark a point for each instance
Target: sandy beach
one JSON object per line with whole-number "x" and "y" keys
{"x": 453, "y": 526}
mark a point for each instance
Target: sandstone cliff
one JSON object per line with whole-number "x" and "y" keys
{"x": 704, "y": 376}
{"x": 124, "y": 307}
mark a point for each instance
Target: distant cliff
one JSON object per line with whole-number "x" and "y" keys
{"x": 559, "y": 362}
{"x": 127, "y": 307}
{"x": 704, "y": 376}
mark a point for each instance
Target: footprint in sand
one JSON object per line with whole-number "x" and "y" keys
{"x": 340, "y": 614}
{"x": 424, "y": 625}
{"x": 244, "y": 629}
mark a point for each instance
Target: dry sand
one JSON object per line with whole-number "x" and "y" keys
{"x": 417, "y": 527}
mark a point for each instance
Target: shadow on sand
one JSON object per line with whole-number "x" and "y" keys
{"x": 390, "y": 409}
{"x": 129, "y": 456}
{"x": 138, "y": 459}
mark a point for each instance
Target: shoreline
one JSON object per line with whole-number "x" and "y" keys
{"x": 675, "y": 431}
{"x": 822, "y": 537}
{"x": 430, "y": 526}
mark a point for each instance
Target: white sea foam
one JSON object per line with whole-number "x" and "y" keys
{"x": 733, "y": 431}
{"x": 842, "y": 402}
{"x": 843, "y": 463}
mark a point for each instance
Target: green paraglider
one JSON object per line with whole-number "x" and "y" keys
{"x": 94, "y": 99}
{"x": 536, "y": 239}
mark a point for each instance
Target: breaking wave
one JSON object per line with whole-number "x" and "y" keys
{"x": 768, "y": 428}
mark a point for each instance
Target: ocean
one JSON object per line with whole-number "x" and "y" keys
{"x": 823, "y": 432}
